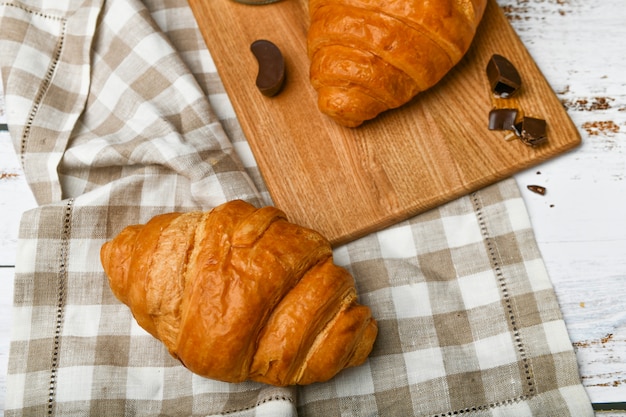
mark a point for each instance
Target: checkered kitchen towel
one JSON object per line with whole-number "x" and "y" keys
{"x": 117, "y": 114}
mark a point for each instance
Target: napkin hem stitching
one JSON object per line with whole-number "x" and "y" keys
{"x": 60, "y": 307}
{"x": 494, "y": 259}
{"x": 265, "y": 400}
{"x": 495, "y": 263}
{"x": 46, "y": 81}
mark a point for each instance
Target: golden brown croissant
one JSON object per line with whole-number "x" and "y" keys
{"x": 240, "y": 293}
{"x": 368, "y": 56}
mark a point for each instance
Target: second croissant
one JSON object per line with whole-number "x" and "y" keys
{"x": 239, "y": 293}
{"x": 368, "y": 56}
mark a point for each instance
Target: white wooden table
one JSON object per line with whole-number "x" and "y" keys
{"x": 580, "y": 224}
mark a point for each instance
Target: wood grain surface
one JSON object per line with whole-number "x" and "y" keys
{"x": 348, "y": 182}
{"x": 579, "y": 224}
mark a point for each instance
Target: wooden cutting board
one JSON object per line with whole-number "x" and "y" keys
{"x": 346, "y": 182}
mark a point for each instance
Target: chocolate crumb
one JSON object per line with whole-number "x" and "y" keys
{"x": 537, "y": 189}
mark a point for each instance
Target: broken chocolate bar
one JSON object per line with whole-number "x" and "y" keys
{"x": 502, "y": 119}
{"x": 531, "y": 131}
{"x": 504, "y": 79}
{"x": 271, "y": 75}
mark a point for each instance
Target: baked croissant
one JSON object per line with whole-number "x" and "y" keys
{"x": 240, "y": 293}
{"x": 368, "y": 56}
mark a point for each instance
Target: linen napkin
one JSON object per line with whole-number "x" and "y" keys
{"x": 117, "y": 114}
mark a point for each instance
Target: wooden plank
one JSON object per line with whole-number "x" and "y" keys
{"x": 580, "y": 224}
{"x": 349, "y": 182}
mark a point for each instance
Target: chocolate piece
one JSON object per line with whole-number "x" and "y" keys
{"x": 531, "y": 131}
{"x": 537, "y": 189}
{"x": 502, "y": 119}
{"x": 271, "y": 75}
{"x": 504, "y": 79}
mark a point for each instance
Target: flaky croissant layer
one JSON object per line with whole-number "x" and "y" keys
{"x": 239, "y": 293}
{"x": 368, "y": 56}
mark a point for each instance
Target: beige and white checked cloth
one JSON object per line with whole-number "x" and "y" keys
{"x": 117, "y": 114}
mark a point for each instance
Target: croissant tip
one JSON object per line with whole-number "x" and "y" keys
{"x": 350, "y": 107}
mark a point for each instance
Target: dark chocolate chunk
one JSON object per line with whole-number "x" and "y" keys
{"x": 531, "y": 131}
{"x": 502, "y": 119}
{"x": 271, "y": 75}
{"x": 537, "y": 189}
{"x": 504, "y": 79}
